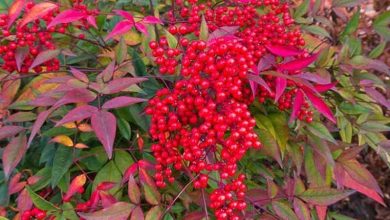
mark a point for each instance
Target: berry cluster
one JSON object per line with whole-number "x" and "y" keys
{"x": 34, "y": 213}
{"x": 28, "y": 41}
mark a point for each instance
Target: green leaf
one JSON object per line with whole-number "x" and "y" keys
{"x": 301, "y": 209}
{"x": 4, "y": 5}
{"x": 120, "y": 210}
{"x": 280, "y": 125}
{"x": 124, "y": 128}
{"x": 352, "y": 25}
{"x": 40, "y": 202}
{"x": 324, "y": 196}
{"x": 109, "y": 173}
{"x": 270, "y": 146}
{"x": 122, "y": 160}
{"x": 301, "y": 9}
{"x": 63, "y": 159}
{"x": 378, "y": 50}
{"x": 321, "y": 131}
{"x": 204, "y": 30}
{"x": 284, "y": 211}
{"x": 121, "y": 51}
{"x": 374, "y": 127}
{"x": 4, "y": 196}
{"x": 313, "y": 175}
{"x": 154, "y": 213}
{"x": 172, "y": 41}
{"x": 381, "y": 25}
{"x": 68, "y": 212}
{"x": 316, "y": 30}
{"x": 44, "y": 176}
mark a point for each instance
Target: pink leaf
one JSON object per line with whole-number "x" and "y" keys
{"x": 222, "y": 32}
{"x": 125, "y": 15}
{"x": 281, "y": 84}
{"x": 351, "y": 183}
{"x": 129, "y": 172}
{"x": 38, "y": 11}
{"x": 324, "y": 87}
{"x": 67, "y": 16}
{"x": 92, "y": 21}
{"x": 105, "y": 186}
{"x": 321, "y": 211}
{"x": 266, "y": 62}
{"x": 121, "y": 28}
{"x": 20, "y": 55}
{"x": 104, "y": 125}
{"x": 122, "y": 101}
{"x": 301, "y": 209}
{"x": 107, "y": 73}
{"x": 13, "y": 153}
{"x": 118, "y": 85}
{"x": 377, "y": 96}
{"x": 38, "y": 124}
{"x": 141, "y": 28}
{"x": 24, "y": 201}
{"x": 10, "y": 131}
{"x": 78, "y": 114}
{"x": 298, "y": 64}
{"x": 76, "y": 96}
{"x": 315, "y": 77}
{"x": 283, "y": 51}
{"x": 258, "y": 80}
{"x": 151, "y": 20}
{"x": 320, "y": 105}
{"x": 14, "y": 185}
{"x": 107, "y": 199}
{"x": 79, "y": 75}
{"x": 43, "y": 100}
{"x": 14, "y": 11}
{"x": 298, "y": 102}
{"x": 44, "y": 56}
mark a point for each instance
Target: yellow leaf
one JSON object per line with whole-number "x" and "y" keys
{"x": 85, "y": 127}
{"x": 69, "y": 125}
{"x": 64, "y": 140}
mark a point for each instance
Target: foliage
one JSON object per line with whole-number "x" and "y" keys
{"x": 187, "y": 110}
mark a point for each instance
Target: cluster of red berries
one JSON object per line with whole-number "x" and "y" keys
{"x": 29, "y": 40}
{"x": 203, "y": 124}
{"x": 34, "y": 213}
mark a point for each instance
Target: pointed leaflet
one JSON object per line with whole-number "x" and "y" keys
{"x": 67, "y": 16}
{"x": 258, "y": 80}
{"x": 14, "y": 11}
{"x": 204, "y": 30}
{"x": 151, "y": 20}
{"x": 284, "y": 211}
{"x": 298, "y": 102}
{"x": 76, "y": 96}
{"x": 76, "y": 184}
{"x": 13, "y": 153}
{"x": 120, "y": 28}
{"x": 298, "y": 64}
{"x": 106, "y": 199}
{"x": 107, "y": 73}
{"x": 38, "y": 124}
{"x": 122, "y": 101}
{"x": 265, "y": 62}
{"x": 222, "y": 32}
{"x": 78, "y": 114}
{"x": 20, "y": 55}
{"x": 141, "y": 28}
{"x": 325, "y": 87}
{"x": 118, "y": 85}
{"x": 378, "y": 97}
{"x": 125, "y": 15}
{"x": 324, "y": 196}
{"x": 154, "y": 213}
{"x": 24, "y": 201}
{"x": 283, "y": 51}
{"x": 79, "y": 75}
{"x": 320, "y": 105}
{"x": 281, "y": 84}
{"x": 137, "y": 214}
{"x": 44, "y": 56}
{"x": 118, "y": 211}
{"x": 40, "y": 202}
{"x": 92, "y": 21}
{"x": 10, "y": 131}
{"x": 63, "y": 139}
{"x": 301, "y": 209}
{"x": 321, "y": 212}
{"x": 104, "y": 125}
{"x": 133, "y": 190}
{"x": 38, "y": 11}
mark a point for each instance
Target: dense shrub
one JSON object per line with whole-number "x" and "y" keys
{"x": 239, "y": 109}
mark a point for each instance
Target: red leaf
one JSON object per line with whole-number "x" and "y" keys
{"x": 13, "y": 153}
{"x": 44, "y": 56}
{"x": 24, "y": 201}
{"x": 321, "y": 212}
{"x": 360, "y": 174}
{"x": 320, "y": 105}
{"x": 283, "y": 51}
{"x": 324, "y": 87}
{"x": 298, "y": 102}
{"x": 298, "y": 64}
{"x": 79, "y": 75}
{"x": 107, "y": 199}
{"x": 118, "y": 85}
{"x": 38, "y": 124}
{"x": 125, "y": 15}
{"x": 129, "y": 172}
{"x": 281, "y": 84}
{"x": 351, "y": 183}
{"x": 104, "y": 125}
{"x": 20, "y": 55}
{"x": 120, "y": 28}
{"x": 38, "y": 11}
{"x": 14, "y": 11}
{"x": 92, "y": 21}
{"x": 78, "y": 114}
{"x": 122, "y": 101}
{"x": 76, "y": 184}
{"x": 10, "y": 131}
{"x": 67, "y": 16}
{"x": 141, "y": 28}
{"x": 14, "y": 185}
{"x": 151, "y": 20}
{"x": 76, "y": 96}
{"x": 105, "y": 186}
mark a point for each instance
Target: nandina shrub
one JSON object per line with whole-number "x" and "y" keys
{"x": 254, "y": 109}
